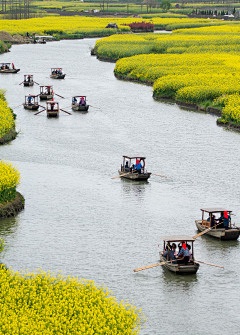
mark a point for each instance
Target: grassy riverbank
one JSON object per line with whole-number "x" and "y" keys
{"x": 7, "y": 121}
{"x": 193, "y": 66}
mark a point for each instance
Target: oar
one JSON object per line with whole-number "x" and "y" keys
{"x": 121, "y": 175}
{"x": 153, "y": 265}
{"x": 21, "y": 83}
{"x": 42, "y": 106}
{"x": 59, "y": 96}
{"x": 17, "y": 106}
{"x": 206, "y": 230}
{"x": 219, "y": 266}
{"x": 148, "y": 267}
{"x": 39, "y": 112}
{"x": 36, "y": 82}
{"x": 65, "y": 111}
{"x": 94, "y": 107}
{"x": 159, "y": 175}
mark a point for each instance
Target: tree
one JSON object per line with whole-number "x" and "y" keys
{"x": 165, "y": 4}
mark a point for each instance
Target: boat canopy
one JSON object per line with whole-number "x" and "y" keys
{"x": 135, "y": 157}
{"x": 177, "y": 238}
{"x": 5, "y": 64}
{"x": 215, "y": 210}
{"x": 79, "y": 96}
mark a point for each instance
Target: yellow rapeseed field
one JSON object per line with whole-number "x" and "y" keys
{"x": 9, "y": 180}
{"x": 44, "y": 303}
{"x": 6, "y": 117}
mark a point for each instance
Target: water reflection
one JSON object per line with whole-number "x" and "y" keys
{"x": 8, "y": 226}
{"x": 136, "y": 188}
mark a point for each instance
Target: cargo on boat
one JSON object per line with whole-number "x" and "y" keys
{"x": 46, "y": 92}
{"x": 31, "y": 102}
{"x": 79, "y": 103}
{"x": 28, "y": 80}
{"x": 56, "y": 73}
{"x": 133, "y": 167}
{"x": 52, "y": 109}
{"x": 218, "y": 224}
{"x": 183, "y": 265}
{"x": 8, "y": 68}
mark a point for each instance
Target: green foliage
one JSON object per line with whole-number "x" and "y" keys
{"x": 2, "y": 245}
{"x": 165, "y": 4}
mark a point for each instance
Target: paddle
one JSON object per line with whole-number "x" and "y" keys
{"x": 36, "y": 82}
{"x": 159, "y": 175}
{"x": 206, "y": 230}
{"x": 17, "y": 106}
{"x": 21, "y": 83}
{"x": 42, "y": 106}
{"x": 153, "y": 265}
{"x": 40, "y": 111}
{"x": 219, "y": 266}
{"x": 59, "y": 96}
{"x": 65, "y": 111}
{"x": 94, "y": 107}
{"x": 121, "y": 175}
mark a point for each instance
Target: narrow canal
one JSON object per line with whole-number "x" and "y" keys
{"x": 80, "y": 221}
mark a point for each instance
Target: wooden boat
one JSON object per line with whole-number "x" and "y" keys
{"x": 28, "y": 80}
{"x": 31, "y": 102}
{"x": 52, "y": 109}
{"x": 190, "y": 268}
{"x": 56, "y": 73}
{"x": 133, "y": 168}
{"x": 46, "y": 92}
{"x": 79, "y": 103}
{"x": 8, "y": 68}
{"x": 215, "y": 229}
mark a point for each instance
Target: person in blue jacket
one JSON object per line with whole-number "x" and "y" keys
{"x": 184, "y": 252}
{"x": 225, "y": 218}
{"x": 138, "y": 166}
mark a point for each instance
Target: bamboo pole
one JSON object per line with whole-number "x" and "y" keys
{"x": 159, "y": 175}
{"x": 206, "y": 231}
{"x": 153, "y": 265}
{"x": 219, "y": 266}
{"x": 124, "y": 174}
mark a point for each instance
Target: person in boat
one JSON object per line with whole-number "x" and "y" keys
{"x": 74, "y": 100}
{"x": 82, "y": 102}
{"x": 13, "y": 67}
{"x": 3, "y": 67}
{"x": 212, "y": 220}
{"x": 29, "y": 78}
{"x": 224, "y": 219}
{"x": 6, "y": 67}
{"x": 30, "y": 100}
{"x": 170, "y": 253}
{"x": 127, "y": 168}
{"x": 138, "y": 166}
{"x": 189, "y": 250}
{"x": 59, "y": 71}
{"x": 183, "y": 253}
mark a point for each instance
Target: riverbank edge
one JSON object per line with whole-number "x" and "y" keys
{"x": 12, "y": 208}
{"x": 208, "y": 110}
{"x": 11, "y": 135}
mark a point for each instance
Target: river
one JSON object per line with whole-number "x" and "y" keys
{"x": 80, "y": 221}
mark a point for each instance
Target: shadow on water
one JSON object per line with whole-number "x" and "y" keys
{"x": 8, "y": 226}
{"x": 134, "y": 187}
{"x": 183, "y": 281}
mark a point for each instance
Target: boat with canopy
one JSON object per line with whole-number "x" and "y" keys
{"x": 176, "y": 266}
{"x": 218, "y": 224}
{"x": 133, "y": 167}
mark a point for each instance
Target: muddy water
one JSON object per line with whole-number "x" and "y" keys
{"x": 80, "y": 221}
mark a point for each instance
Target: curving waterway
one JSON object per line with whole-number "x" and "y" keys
{"x": 80, "y": 221}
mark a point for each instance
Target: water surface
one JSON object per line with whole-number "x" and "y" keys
{"x": 80, "y": 221}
